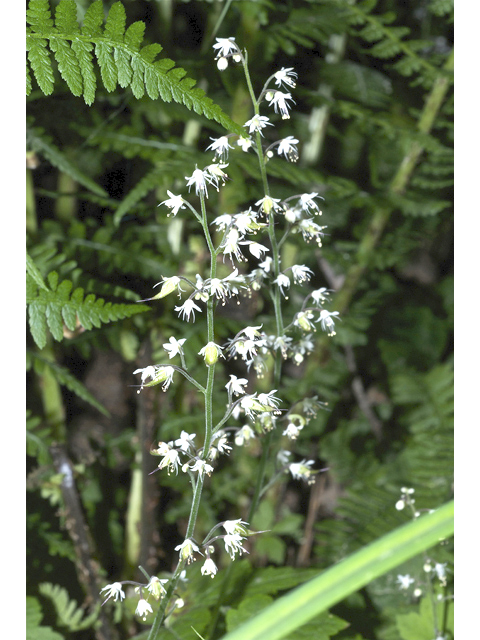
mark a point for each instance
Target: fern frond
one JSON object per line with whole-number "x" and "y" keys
{"x": 69, "y": 614}
{"x": 142, "y": 188}
{"x": 60, "y": 305}
{"x": 33, "y": 618}
{"x": 118, "y": 54}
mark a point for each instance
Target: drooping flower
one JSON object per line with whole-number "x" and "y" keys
{"x": 143, "y": 609}
{"x": 209, "y": 568}
{"x": 301, "y": 273}
{"x": 288, "y": 148}
{"x": 308, "y": 203}
{"x": 233, "y": 544}
{"x": 187, "y": 309}
{"x": 244, "y": 435}
{"x": 220, "y": 146}
{"x": 114, "y": 591}
{"x": 283, "y": 282}
{"x": 279, "y": 101}
{"x": 156, "y": 588}
{"x": 210, "y": 352}
{"x": 187, "y": 549}
{"x": 235, "y": 385}
{"x": 405, "y": 581}
{"x": 185, "y": 442}
{"x": 170, "y": 461}
{"x": 199, "y": 178}
{"x": 302, "y": 471}
{"x": 225, "y": 46}
{"x": 286, "y": 76}
{"x": 326, "y": 321}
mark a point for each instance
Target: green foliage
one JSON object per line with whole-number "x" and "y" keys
{"x": 119, "y": 54}
{"x": 366, "y": 75}
{"x": 69, "y": 614}
{"x": 62, "y": 305}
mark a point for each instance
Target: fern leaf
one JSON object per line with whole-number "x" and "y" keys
{"x": 115, "y": 23}
{"x": 134, "y": 35}
{"x": 29, "y": 81}
{"x": 108, "y": 69}
{"x": 33, "y": 271}
{"x": 66, "y": 17}
{"x": 40, "y": 62}
{"x": 119, "y": 55}
{"x": 53, "y": 307}
{"x": 39, "y": 143}
{"x": 68, "y": 65}
{"x": 93, "y": 20}
{"x": 85, "y": 62}
{"x": 33, "y": 619}
{"x": 39, "y": 16}
{"x": 69, "y": 614}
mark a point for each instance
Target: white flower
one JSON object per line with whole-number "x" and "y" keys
{"x": 288, "y": 148}
{"x": 156, "y": 588}
{"x": 225, "y": 46}
{"x": 279, "y": 101}
{"x": 405, "y": 581}
{"x": 223, "y": 221}
{"x": 257, "y": 123}
{"x": 244, "y": 435}
{"x": 222, "y": 445}
{"x": 147, "y": 372}
{"x": 320, "y": 295}
{"x": 187, "y": 309}
{"x": 216, "y": 173}
{"x": 185, "y": 442}
{"x": 220, "y": 146}
{"x": 187, "y": 549}
{"x": 209, "y": 568}
{"x": 257, "y": 249}
{"x": 308, "y": 204}
{"x": 301, "y": 273}
{"x": 210, "y": 353}
{"x": 311, "y": 230}
{"x": 326, "y": 322}
{"x": 114, "y": 591}
{"x": 168, "y": 286}
{"x": 174, "y": 346}
{"x": 170, "y": 460}
{"x": 282, "y": 281}
{"x": 285, "y": 76}
{"x": 143, "y": 608}
{"x": 233, "y": 544}
{"x": 202, "y": 467}
{"x": 266, "y": 265}
{"x": 235, "y": 385}
{"x": 222, "y": 63}
{"x": 235, "y": 526}
{"x": 301, "y": 470}
{"x": 174, "y": 203}
{"x": 230, "y": 245}
{"x": 244, "y": 143}
{"x": 440, "y": 570}
{"x": 199, "y": 178}
{"x": 292, "y": 430}
{"x": 266, "y": 204}
{"x": 303, "y": 320}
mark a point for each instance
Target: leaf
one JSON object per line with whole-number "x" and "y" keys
{"x": 34, "y": 616}
{"x": 69, "y": 614}
{"x": 419, "y": 626}
{"x": 35, "y": 273}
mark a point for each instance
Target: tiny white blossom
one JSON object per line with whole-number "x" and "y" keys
{"x": 279, "y": 101}
{"x": 244, "y": 143}
{"x": 235, "y": 385}
{"x": 220, "y": 146}
{"x": 308, "y": 203}
{"x": 266, "y": 204}
{"x": 209, "y": 568}
{"x": 257, "y": 123}
{"x": 174, "y": 203}
{"x": 257, "y": 249}
{"x": 283, "y": 282}
{"x": 187, "y": 549}
{"x": 216, "y": 173}
{"x": 310, "y": 229}
{"x": 405, "y": 581}
{"x": 170, "y": 461}
{"x": 114, "y": 591}
{"x": 202, "y": 467}
{"x": 440, "y": 570}
{"x": 244, "y": 435}
{"x": 285, "y": 76}
{"x": 187, "y": 309}
{"x": 143, "y": 609}
{"x": 235, "y": 526}
{"x": 156, "y": 588}
{"x": 199, "y": 178}
{"x": 233, "y": 544}
{"x": 174, "y": 346}
{"x": 326, "y": 321}
{"x": 147, "y": 372}
{"x": 320, "y": 295}
{"x": 301, "y": 471}
{"x": 266, "y": 265}
{"x": 225, "y": 46}
{"x": 287, "y": 146}
{"x": 185, "y": 442}
{"x": 231, "y": 246}
{"x": 301, "y": 273}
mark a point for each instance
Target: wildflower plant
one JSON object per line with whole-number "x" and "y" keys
{"x": 238, "y": 240}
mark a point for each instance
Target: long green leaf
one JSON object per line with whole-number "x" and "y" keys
{"x": 349, "y": 575}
